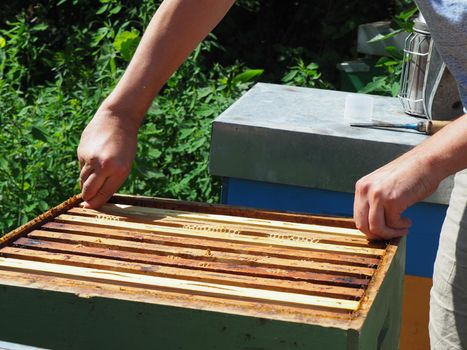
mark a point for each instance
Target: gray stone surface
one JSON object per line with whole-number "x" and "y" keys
{"x": 298, "y": 136}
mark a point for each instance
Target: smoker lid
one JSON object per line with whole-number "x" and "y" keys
{"x": 420, "y": 25}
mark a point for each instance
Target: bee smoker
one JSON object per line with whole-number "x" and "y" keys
{"x": 427, "y": 87}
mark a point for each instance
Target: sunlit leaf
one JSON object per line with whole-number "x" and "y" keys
{"x": 102, "y": 9}
{"x": 39, "y": 27}
{"x": 247, "y": 76}
{"x": 126, "y": 42}
{"x": 381, "y": 37}
{"x": 115, "y": 9}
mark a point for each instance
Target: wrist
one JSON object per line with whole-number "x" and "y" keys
{"x": 435, "y": 164}
{"x": 122, "y": 112}
{"x": 118, "y": 116}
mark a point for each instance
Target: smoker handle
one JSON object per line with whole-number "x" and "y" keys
{"x": 436, "y": 125}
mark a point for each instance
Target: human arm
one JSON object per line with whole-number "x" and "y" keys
{"x": 382, "y": 196}
{"x": 108, "y": 143}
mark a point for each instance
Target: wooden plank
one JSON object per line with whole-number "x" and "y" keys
{"x": 177, "y": 261}
{"x": 193, "y": 242}
{"x": 38, "y": 221}
{"x": 225, "y": 236}
{"x": 109, "y": 212}
{"x": 222, "y": 209}
{"x": 181, "y": 273}
{"x": 175, "y": 284}
{"x": 81, "y": 288}
{"x": 123, "y": 209}
{"x": 206, "y": 253}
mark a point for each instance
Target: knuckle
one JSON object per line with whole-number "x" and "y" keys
{"x": 115, "y": 165}
{"x": 86, "y": 191}
{"x": 112, "y": 164}
{"x": 392, "y": 197}
{"x": 123, "y": 168}
{"x": 86, "y": 196}
{"x": 363, "y": 228}
{"x": 362, "y": 186}
{"x": 108, "y": 163}
{"x": 377, "y": 193}
{"x": 88, "y": 160}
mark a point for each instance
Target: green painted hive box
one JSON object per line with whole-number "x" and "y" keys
{"x": 148, "y": 273}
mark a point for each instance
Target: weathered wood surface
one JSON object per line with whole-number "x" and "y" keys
{"x": 177, "y": 284}
{"x": 109, "y": 262}
{"x": 224, "y": 234}
{"x": 321, "y": 265}
{"x": 234, "y": 247}
{"x": 202, "y": 254}
{"x": 197, "y": 207}
{"x": 158, "y": 214}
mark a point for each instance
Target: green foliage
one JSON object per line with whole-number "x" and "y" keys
{"x": 305, "y": 75}
{"x": 273, "y": 34}
{"x": 389, "y": 83}
{"x": 50, "y": 90}
{"x": 403, "y": 22}
{"x": 126, "y": 42}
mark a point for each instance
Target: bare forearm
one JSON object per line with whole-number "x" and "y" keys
{"x": 108, "y": 144}
{"x": 444, "y": 153}
{"x": 174, "y": 31}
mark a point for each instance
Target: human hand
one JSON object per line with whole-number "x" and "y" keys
{"x": 106, "y": 152}
{"x": 382, "y": 196}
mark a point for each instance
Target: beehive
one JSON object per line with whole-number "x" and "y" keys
{"x": 147, "y": 273}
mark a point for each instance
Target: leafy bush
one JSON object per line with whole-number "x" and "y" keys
{"x": 305, "y": 75}
{"x": 44, "y": 112}
{"x": 389, "y": 83}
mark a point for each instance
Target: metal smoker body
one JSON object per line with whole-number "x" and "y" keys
{"x": 427, "y": 87}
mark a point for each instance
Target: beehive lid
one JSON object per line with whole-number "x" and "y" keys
{"x": 282, "y": 266}
{"x": 298, "y": 136}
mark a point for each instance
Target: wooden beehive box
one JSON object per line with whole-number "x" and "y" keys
{"x": 147, "y": 273}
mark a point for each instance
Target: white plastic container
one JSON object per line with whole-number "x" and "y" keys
{"x": 358, "y": 108}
